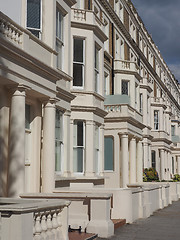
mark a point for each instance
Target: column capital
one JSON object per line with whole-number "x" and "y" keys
{"x": 123, "y": 135}
{"x": 18, "y": 90}
{"x": 67, "y": 113}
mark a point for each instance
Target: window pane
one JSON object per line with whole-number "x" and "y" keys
{"x": 58, "y": 125}
{"x": 108, "y": 153}
{"x": 58, "y": 156}
{"x": 78, "y": 50}
{"x": 80, "y": 133}
{"x": 59, "y": 25}
{"x": 27, "y": 116}
{"x": 78, "y": 159}
{"x": 77, "y": 75}
{"x": 33, "y": 13}
{"x": 124, "y": 87}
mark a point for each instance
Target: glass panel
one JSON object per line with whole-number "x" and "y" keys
{"x": 80, "y": 134}
{"x": 96, "y": 80}
{"x": 78, "y": 50}
{"x": 33, "y": 13}
{"x": 27, "y": 116}
{"x": 125, "y": 87}
{"x": 77, "y": 75}
{"x": 156, "y": 120}
{"x": 78, "y": 159}
{"x": 108, "y": 153}
{"x": 59, "y": 25}
{"x": 59, "y": 57}
{"x": 172, "y": 130}
{"x": 96, "y": 58}
{"x": 58, "y": 156}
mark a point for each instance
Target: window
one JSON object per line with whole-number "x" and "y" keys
{"x": 108, "y": 154}
{"x": 34, "y": 17}
{"x": 124, "y": 87}
{"x": 106, "y": 84}
{"x": 79, "y": 146}
{"x": 96, "y": 69}
{"x": 58, "y": 140}
{"x": 78, "y": 63}
{"x": 141, "y": 103}
{"x": 27, "y": 116}
{"x": 97, "y": 148}
{"x": 156, "y": 120}
{"x": 172, "y": 165}
{"x": 153, "y": 158}
{"x": 27, "y": 134}
{"x": 172, "y": 130}
{"x": 59, "y": 38}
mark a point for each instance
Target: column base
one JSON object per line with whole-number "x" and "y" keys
{"x": 104, "y": 229}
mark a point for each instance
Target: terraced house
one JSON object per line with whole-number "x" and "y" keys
{"x": 86, "y": 103}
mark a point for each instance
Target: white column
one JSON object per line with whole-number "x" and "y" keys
{"x": 101, "y": 147}
{"x": 139, "y": 162}
{"x": 146, "y": 155}
{"x": 48, "y": 161}
{"x": 169, "y": 166}
{"x": 67, "y": 146}
{"x": 178, "y": 164}
{"x": 70, "y": 163}
{"x": 16, "y": 176}
{"x": 89, "y": 149}
{"x": 4, "y": 125}
{"x": 132, "y": 160}
{"x": 124, "y": 160}
{"x": 162, "y": 159}
{"x": 166, "y": 165}
{"x": 145, "y": 119}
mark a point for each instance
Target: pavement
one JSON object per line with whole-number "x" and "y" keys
{"x": 164, "y": 224}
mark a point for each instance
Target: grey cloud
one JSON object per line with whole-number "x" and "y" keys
{"x": 161, "y": 18}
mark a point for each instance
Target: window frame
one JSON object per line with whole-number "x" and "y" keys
{"x": 124, "y": 81}
{"x": 59, "y": 39}
{"x": 156, "y": 120}
{"x": 60, "y": 140}
{"x": 78, "y": 146}
{"x": 113, "y": 155}
{"x": 96, "y": 68}
{"x": 79, "y": 63}
{"x": 97, "y": 148}
{"x": 39, "y": 30}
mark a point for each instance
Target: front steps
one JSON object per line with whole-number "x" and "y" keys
{"x": 118, "y": 222}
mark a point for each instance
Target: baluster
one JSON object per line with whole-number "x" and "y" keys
{"x": 44, "y": 227}
{"x": 49, "y": 227}
{"x": 38, "y": 228}
{"x": 55, "y": 225}
{"x": 59, "y": 229}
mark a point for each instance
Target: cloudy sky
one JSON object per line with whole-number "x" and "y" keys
{"x": 162, "y": 20}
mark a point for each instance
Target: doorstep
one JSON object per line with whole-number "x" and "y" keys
{"x": 118, "y": 222}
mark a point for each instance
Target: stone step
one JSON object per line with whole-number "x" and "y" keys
{"x": 118, "y": 222}
{"x": 82, "y": 236}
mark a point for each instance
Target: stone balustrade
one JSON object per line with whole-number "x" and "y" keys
{"x": 9, "y": 29}
{"x": 88, "y": 210}
{"x": 33, "y": 219}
